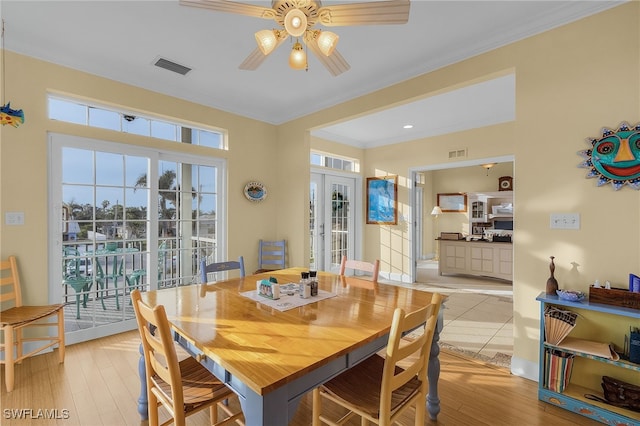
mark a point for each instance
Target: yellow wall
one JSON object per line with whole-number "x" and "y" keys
{"x": 23, "y": 155}
{"x": 570, "y": 82}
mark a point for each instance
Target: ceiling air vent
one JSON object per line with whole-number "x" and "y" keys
{"x": 172, "y": 66}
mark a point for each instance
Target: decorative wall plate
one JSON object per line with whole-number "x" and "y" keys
{"x": 255, "y": 191}
{"x": 614, "y": 157}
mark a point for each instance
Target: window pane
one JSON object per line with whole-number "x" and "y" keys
{"x": 77, "y": 166}
{"x": 109, "y": 169}
{"x": 163, "y": 130}
{"x": 104, "y": 119}
{"x": 79, "y": 199}
{"x": 136, "y": 171}
{"x": 207, "y": 205}
{"x": 67, "y": 111}
{"x": 316, "y": 159}
{"x": 206, "y": 179}
{"x": 136, "y": 125}
{"x": 209, "y": 139}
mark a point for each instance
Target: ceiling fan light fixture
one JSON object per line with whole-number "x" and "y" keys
{"x": 327, "y": 42}
{"x": 267, "y": 41}
{"x": 298, "y": 57}
{"x": 295, "y": 22}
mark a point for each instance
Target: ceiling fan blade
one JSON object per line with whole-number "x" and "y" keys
{"x": 232, "y": 7}
{"x": 335, "y": 63}
{"x": 372, "y": 13}
{"x": 256, "y": 58}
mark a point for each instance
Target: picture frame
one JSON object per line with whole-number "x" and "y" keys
{"x": 382, "y": 200}
{"x": 453, "y": 202}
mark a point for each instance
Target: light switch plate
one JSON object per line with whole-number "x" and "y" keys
{"x": 564, "y": 221}
{"x": 14, "y": 218}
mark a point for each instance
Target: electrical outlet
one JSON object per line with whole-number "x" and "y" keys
{"x": 564, "y": 221}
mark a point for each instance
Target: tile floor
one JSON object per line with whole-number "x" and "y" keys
{"x": 478, "y": 313}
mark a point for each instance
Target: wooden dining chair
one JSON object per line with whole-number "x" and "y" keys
{"x": 231, "y": 265}
{"x": 360, "y": 267}
{"x": 380, "y": 388}
{"x": 16, "y": 317}
{"x": 272, "y": 255}
{"x": 183, "y": 387}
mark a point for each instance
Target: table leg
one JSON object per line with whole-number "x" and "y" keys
{"x": 143, "y": 403}
{"x": 271, "y": 409}
{"x": 433, "y": 371}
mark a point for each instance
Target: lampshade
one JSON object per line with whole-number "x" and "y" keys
{"x": 327, "y": 42}
{"x": 295, "y": 22}
{"x": 436, "y": 211}
{"x": 488, "y": 166}
{"x": 298, "y": 57}
{"x": 267, "y": 41}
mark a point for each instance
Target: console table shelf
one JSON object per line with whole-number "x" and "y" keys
{"x": 573, "y": 397}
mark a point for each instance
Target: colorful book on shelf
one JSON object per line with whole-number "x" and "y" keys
{"x": 589, "y": 347}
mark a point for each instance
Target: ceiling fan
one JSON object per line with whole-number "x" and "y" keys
{"x": 297, "y": 19}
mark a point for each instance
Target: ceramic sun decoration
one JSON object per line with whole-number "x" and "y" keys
{"x": 615, "y": 157}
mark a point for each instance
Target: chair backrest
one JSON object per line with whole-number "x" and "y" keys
{"x": 219, "y": 267}
{"x": 364, "y": 267}
{"x": 159, "y": 353}
{"x": 10, "y": 294}
{"x": 74, "y": 263}
{"x": 408, "y": 359}
{"x": 272, "y": 255}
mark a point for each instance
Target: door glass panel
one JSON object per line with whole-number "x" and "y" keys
{"x": 104, "y": 226}
{"x": 340, "y": 223}
{"x": 104, "y": 230}
{"x": 331, "y": 208}
{"x": 314, "y": 232}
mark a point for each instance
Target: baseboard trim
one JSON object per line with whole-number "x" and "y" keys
{"x": 523, "y": 368}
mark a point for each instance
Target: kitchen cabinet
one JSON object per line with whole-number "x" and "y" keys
{"x": 479, "y": 258}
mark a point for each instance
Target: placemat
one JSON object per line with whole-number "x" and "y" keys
{"x": 289, "y": 297}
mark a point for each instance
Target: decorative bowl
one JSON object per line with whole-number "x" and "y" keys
{"x": 571, "y": 295}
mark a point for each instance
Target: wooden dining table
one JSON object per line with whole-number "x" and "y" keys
{"x": 270, "y": 357}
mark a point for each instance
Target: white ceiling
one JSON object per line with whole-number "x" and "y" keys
{"x": 121, "y": 40}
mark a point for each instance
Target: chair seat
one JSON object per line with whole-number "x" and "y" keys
{"x": 360, "y": 386}
{"x": 199, "y": 385}
{"x": 25, "y": 314}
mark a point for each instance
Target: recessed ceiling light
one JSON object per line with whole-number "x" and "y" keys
{"x": 408, "y": 126}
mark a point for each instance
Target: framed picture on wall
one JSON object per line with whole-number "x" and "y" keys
{"x": 382, "y": 200}
{"x": 453, "y": 202}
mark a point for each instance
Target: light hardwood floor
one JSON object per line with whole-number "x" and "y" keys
{"x": 98, "y": 385}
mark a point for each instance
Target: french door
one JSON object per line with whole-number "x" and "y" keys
{"x": 334, "y": 206}
{"x": 122, "y": 218}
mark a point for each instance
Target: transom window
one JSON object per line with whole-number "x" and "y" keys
{"x": 73, "y": 111}
{"x": 334, "y": 162}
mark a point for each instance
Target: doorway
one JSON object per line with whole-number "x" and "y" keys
{"x": 334, "y": 205}
{"x": 126, "y": 218}
{"x": 423, "y": 232}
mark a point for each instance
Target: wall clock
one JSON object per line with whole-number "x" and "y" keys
{"x": 255, "y": 191}
{"x": 505, "y": 183}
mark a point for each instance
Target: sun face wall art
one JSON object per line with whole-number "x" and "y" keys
{"x": 614, "y": 157}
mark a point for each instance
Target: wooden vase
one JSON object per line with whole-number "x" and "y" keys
{"x": 552, "y": 283}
